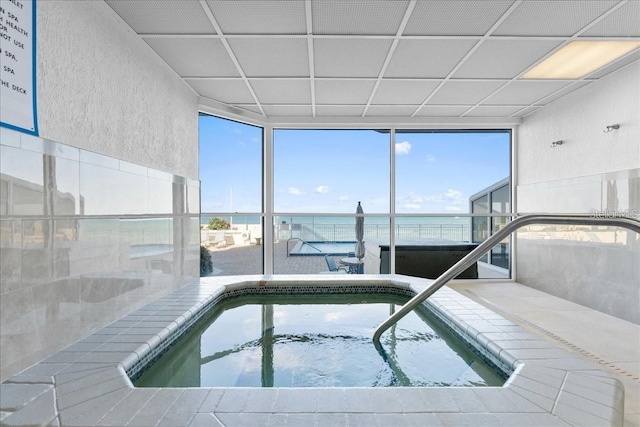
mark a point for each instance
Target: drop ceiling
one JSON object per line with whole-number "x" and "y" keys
{"x": 420, "y": 60}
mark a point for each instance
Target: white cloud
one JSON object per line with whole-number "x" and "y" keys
{"x": 414, "y": 198}
{"x": 454, "y": 200}
{"x": 451, "y": 200}
{"x": 295, "y": 191}
{"x": 430, "y": 158}
{"x": 343, "y": 198}
{"x": 412, "y": 202}
{"x": 452, "y": 194}
{"x": 403, "y": 147}
{"x": 323, "y": 189}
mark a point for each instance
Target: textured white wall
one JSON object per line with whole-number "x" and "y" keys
{"x": 102, "y": 89}
{"x": 591, "y": 172}
{"x": 579, "y": 120}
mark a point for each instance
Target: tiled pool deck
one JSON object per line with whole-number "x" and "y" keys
{"x": 86, "y": 383}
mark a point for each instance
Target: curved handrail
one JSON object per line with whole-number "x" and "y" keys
{"x": 290, "y": 239}
{"x": 304, "y": 242}
{"x": 487, "y": 245}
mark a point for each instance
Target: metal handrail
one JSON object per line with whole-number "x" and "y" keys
{"x": 487, "y": 245}
{"x": 290, "y": 239}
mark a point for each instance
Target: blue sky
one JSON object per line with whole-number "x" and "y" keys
{"x": 331, "y": 170}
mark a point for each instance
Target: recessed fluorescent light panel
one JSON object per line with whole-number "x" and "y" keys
{"x": 579, "y": 58}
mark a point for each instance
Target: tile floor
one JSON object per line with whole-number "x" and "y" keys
{"x": 594, "y": 336}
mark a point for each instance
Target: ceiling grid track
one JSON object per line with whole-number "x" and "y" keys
{"x": 392, "y": 49}
{"x": 468, "y": 55}
{"x": 312, "y": 74}
{"x": 566, "y": 41}
{"x": 232, "y": 56}
{"x": 368, "y": 61}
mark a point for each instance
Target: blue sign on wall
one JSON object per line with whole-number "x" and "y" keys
{"x": 18, "y": 65}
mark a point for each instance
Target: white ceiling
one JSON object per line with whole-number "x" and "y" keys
{"x": 404, "y": 59}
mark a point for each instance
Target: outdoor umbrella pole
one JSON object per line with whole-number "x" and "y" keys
{"x": 359, "y": 250}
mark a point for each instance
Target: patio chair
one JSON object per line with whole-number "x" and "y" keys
{"x": 333, "y": 267}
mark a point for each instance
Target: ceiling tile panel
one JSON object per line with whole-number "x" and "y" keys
{"x": 404, "y": 91}
{"x": 339, "y": 110}
{"x": 343, "y": 91}
{"x": 349, "y": 57}
{"x": 427, "y": 58}
{"x": 616, "y": 65}
{"x": 352, "y": 39}
{"x": 492, "y": 111}
{"x": 562, "y": 92}
{"x": 441, "y": 111}
{"x": 339, "y": 17}
{"x": 230, "y": 91}
{"x": 195, "y": 57}
{"x": 504, "y": 58}
{"x": 164, "y": 17}
{"x": 464, "y": 92}
{"x": 287, "y": 110}
{"x": 455, "y": 17}
{"x": 272, "y": 57}
{"x": 552, "y": 17}
{"x": 259, "y": 16}
{"x": 623, "y": 22}
{"x": 282, "y": 91}
{"x": 525, "y": 92}
{"x": 391, "y": 110}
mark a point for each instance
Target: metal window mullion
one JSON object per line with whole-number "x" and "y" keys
{"x": 513, "y": 205}
{"x": 267, "y": 200}
{"x": 490, "y": 224}
{"x": 392, "y": 201}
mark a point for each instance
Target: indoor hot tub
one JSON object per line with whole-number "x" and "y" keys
{"x": 531, "y": 380}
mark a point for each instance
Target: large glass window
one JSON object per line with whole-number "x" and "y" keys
{"x": 437, "y": 171}
{"x": 230, "y": 165}
{"x": 329, "y": 171}
{"x": 479, "y": 223}
{"x": 231, "y": 195}
{"x": 319, "y": 178}
{"x": 500, "y": 204}
{"x": 493, "y": 200}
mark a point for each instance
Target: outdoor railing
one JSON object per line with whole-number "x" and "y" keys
{"x": 346, "y": 232}
{"x": 133, "y": 232}
{"x": 486, "y": 246}
{"x": 457, "y": 232}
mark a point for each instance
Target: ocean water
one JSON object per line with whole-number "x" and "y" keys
{"x": 347, "y": 219}
{"x": 139, "y": 231}
{"x": 341, "y": 228}
{"x": 160, "y": 230}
